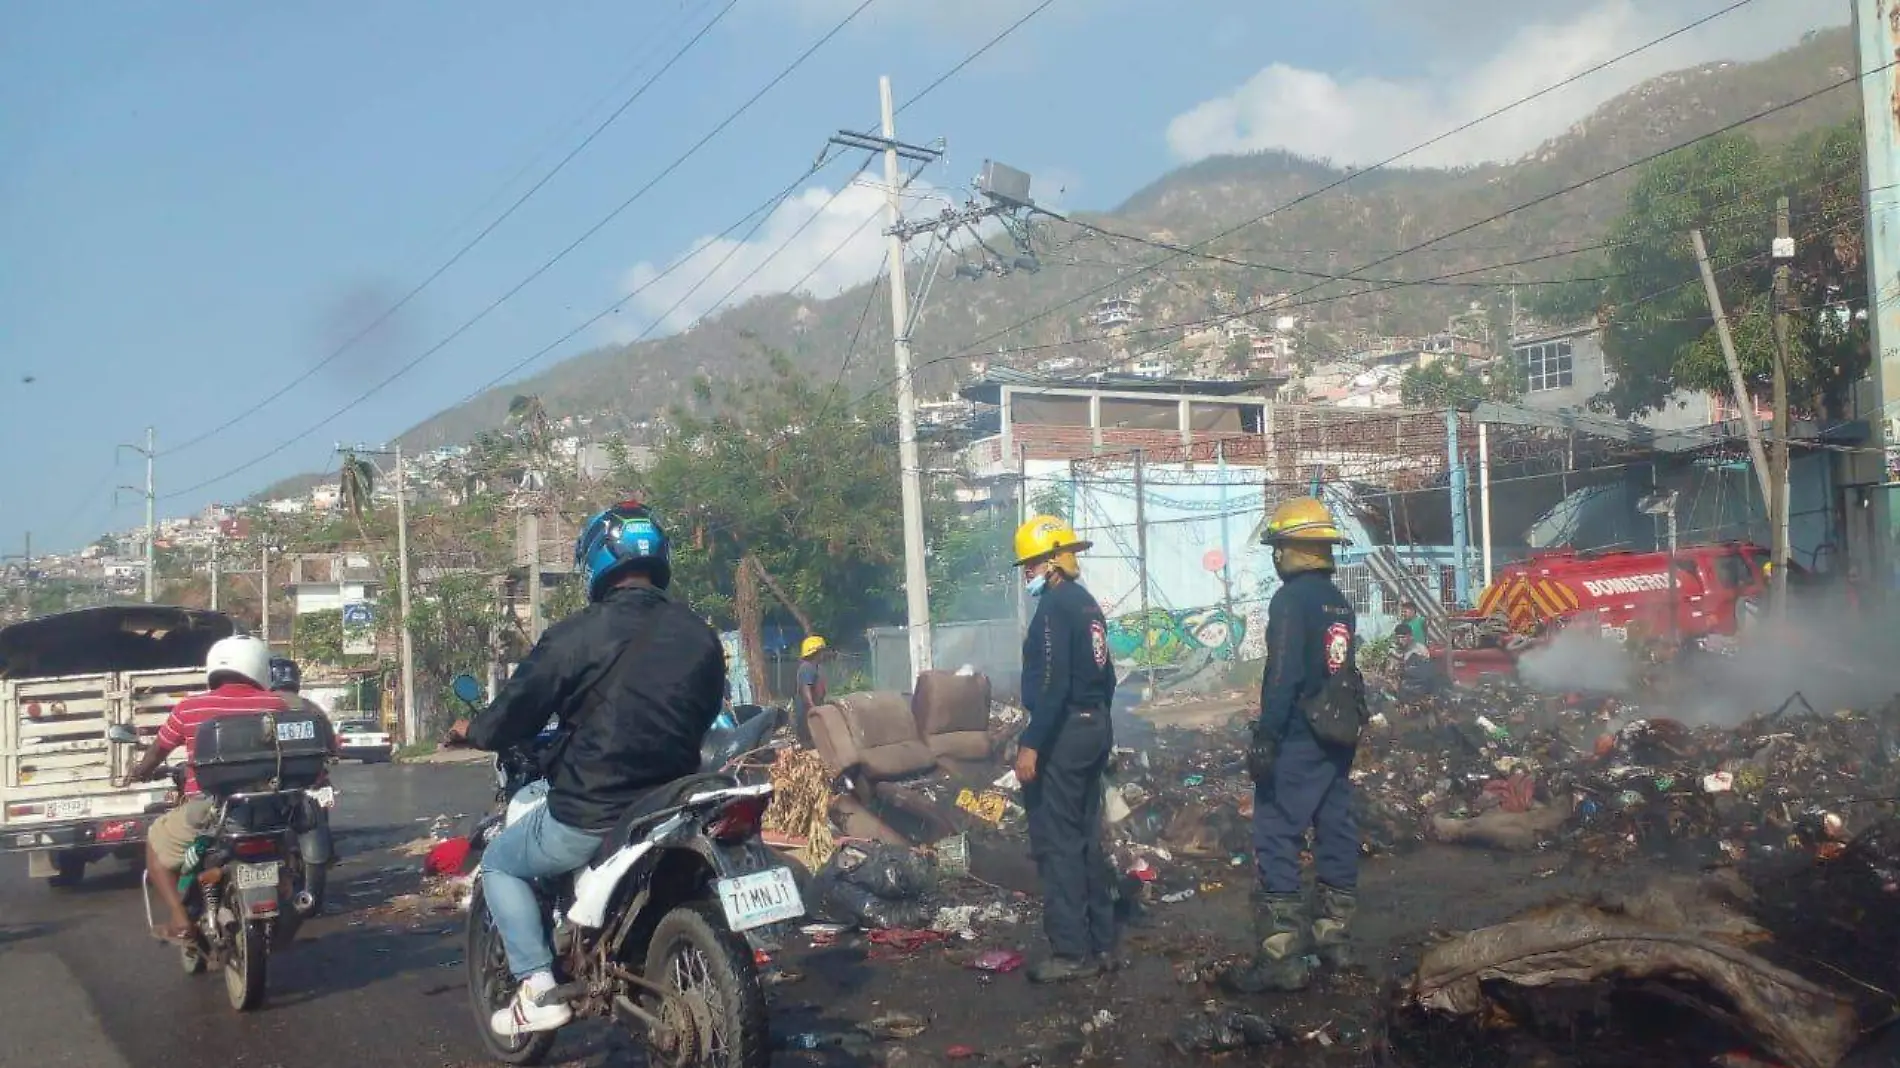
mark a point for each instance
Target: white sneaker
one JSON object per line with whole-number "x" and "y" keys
{"x": 524, "y": 1016}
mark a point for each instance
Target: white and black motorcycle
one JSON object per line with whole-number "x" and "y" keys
{"x": 660, "y": 931}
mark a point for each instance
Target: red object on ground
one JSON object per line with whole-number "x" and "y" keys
{"x": 997, "y": 960}
{"x": 1606, "y": 744}
{"x": 447, "y": 858}
{"x": 960, "y": 1053}
{"x": 906, "y": 940}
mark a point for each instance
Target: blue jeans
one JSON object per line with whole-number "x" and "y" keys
{"x": 538, "y": 847}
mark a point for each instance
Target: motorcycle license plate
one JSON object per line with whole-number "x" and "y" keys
{"x": 255, "y": 876}
{"x": 325, "y": 796}
{"x": 760, "y": 898}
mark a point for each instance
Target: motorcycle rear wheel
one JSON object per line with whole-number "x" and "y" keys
{"x": 697, "y": 960}
{"x": 244, "y": 966}
{"x": 491, "y": 987}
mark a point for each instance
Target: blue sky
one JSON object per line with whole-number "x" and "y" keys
{"x": 201, "y": 202}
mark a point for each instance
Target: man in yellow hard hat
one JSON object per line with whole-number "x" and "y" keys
{"x": 810, "y": 689}
{"x": 1300, "y": 765}
{"x": 1068, "y": 685}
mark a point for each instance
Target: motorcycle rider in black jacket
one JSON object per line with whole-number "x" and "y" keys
{"x": 636, "y": 680}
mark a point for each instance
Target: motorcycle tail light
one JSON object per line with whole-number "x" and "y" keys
{"x": 739, "y": 820}
{"x": 254, "y": 847}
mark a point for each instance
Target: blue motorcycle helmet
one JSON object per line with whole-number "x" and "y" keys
{"x": 625, "y": 538}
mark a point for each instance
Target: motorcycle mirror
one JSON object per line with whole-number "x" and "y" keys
{"x": 466, "y": 688}
{"x": 121, "y": 734}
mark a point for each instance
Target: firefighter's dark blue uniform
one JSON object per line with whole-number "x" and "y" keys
{"x": 1310, "y": 627}
{"x": 1068, "y": 685}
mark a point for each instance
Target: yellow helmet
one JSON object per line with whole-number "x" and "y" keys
{"x": 1303, "y": 519}
{"x": 812, "y": 644}
{"x": 1046, "y": 537}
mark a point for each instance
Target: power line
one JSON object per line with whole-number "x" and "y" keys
{"x": 479, "y": 237}
{"x": 1304, "y": 197}
{"x": 1292, "y": 300}
{"x": 665, "y": 172}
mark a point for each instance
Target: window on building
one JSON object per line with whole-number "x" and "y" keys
{"x": 1545, "y": 366}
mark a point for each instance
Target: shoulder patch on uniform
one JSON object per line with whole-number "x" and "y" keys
{"x": 1098, "y": 642}
{"x": 1338, "y": 647}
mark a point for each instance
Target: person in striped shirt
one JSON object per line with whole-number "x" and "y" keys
{"x": 237, "y": 681}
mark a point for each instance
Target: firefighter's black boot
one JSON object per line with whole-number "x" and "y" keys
{"x": 1281, "y": 942}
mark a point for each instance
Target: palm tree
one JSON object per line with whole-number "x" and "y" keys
{"x": 356, "y": 484}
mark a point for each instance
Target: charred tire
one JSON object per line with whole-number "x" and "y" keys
{"x": 738, "y": 1020}
{"x": 68, "y": 869}
{"x": 246, "y": 968}
{"x": 491, "y": 986}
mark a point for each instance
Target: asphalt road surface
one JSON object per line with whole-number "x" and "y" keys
{"x": 83, "y": 983}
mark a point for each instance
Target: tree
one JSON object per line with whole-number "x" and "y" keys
{"x": 318, "y": 637}
{"x": 356, "y": 486}
{"x": 795, "y": 473}
{"x": 1658, "y": 329}
{"x": 1448, "y": 383}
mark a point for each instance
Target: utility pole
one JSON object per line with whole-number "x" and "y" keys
{"x": 1747, "y": 407}
{"x": 1007, "y": 193}
{"x": 1022, "y": 516}
{"x": 411, "y": 715}
{"x": 150, "y": 451}
{"x": 1455, "y": 490}
{"x": 531, "y": 552}
{"x": 263, "y": 589}
{"x": 216, "y": 539}
{"x": 1879, "y": 41}
{"x": 1141, "y": 566}
{"x": 916, "y": 574}
{"x": 1783, "y": 255}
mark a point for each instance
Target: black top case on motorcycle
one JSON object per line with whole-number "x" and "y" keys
{"x": 256, "y": 752}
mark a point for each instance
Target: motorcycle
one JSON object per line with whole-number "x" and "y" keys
{"x": 660, "y": 931}
{"x": 239, "y": 880}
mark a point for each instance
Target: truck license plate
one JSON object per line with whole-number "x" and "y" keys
{"x": 68, "y": 808}
{"x": 760, "y": 898}
{"x": 255, "y": 876}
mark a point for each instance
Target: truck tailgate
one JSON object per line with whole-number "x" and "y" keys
{"x": 55, "y": 762}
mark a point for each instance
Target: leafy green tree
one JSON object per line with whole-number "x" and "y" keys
{"x": 1447, "y": 383}
{"x": 318, "y": 637}
{"x": 1658, "y": 330}
{"x": 791, "y": 471}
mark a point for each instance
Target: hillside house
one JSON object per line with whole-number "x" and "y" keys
{"x": 326, "y": 582}
{"x": 1115, "y": 312}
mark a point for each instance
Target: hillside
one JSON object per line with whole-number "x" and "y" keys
{"x": 1296, "y": 248}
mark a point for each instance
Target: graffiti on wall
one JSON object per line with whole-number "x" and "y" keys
{"x": 1164, "y": 638}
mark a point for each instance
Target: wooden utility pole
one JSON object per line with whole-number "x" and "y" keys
{"x": 1742, "y": 402}
{"x": 1783, "y": 255}
{"x": 531, "y": 555}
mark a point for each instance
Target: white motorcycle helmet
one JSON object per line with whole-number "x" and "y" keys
{"x": 242, "y": 655}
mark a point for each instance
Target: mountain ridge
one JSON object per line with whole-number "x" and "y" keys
{"x": 1377, "y": 212}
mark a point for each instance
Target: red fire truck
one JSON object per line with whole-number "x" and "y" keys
{"x": 1709, "y": 590}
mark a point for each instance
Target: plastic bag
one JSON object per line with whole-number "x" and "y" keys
{"x": 1222, "y": 1030}
{"x": 891, "y": 872}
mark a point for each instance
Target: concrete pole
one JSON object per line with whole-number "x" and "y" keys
{"x": 1141, "y": 568}
{"x": 263, "y": 590}
{"x": 215, "y": 540}
{"x": 412, "y": 716}
{"x": 531, "y": 528}
{"x": 1484, "y": 498}
{"x": 1022, "y": 516}
{"x": 910, "y": 474}
{"x": 1460, "y": 535}
{"x": 1879, "y": 42}
{"x": 1783, "y": 252}
{"x": 1746, "y": 406}
{"x": 151, "y": 519}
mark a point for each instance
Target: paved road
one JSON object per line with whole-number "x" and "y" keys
{"x": 82, "y": 985}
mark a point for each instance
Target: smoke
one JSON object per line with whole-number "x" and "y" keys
{"x": 1578, "y": 660}
{"x": 357, "y": 326}
{"x": 1834, "y": 656}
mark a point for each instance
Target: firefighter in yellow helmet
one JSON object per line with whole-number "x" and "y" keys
{"x": 1300, "y": 780}
{"x": 810, "y": 691}
{"x": 1068, "y": 685}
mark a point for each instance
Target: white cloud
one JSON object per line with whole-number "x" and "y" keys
{"x": 835, "y": 238}
{"x": 1364, "y": 119}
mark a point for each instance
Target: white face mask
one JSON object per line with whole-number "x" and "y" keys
{"x": 1036, "y": 585}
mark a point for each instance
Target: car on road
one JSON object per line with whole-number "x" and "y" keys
{"x": 364, "y": 740}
